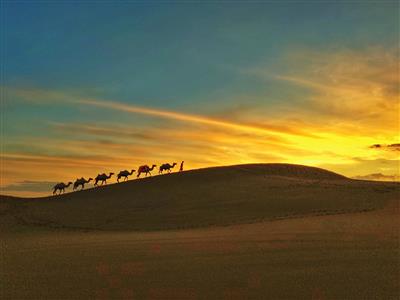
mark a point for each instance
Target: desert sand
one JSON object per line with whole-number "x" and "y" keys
{"x": 272, "y": 231}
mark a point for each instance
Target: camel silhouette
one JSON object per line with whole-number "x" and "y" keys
{"x": 103, "y": 178}
{"x": 61, "y": 187}
{"x": 166, "y": 167}
{"x": 124, "y": 174}
{"x": 145, "y": 169}
{"x": 81, "y": 182}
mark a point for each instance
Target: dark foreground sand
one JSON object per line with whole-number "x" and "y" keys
{"x": 302, "y": 234}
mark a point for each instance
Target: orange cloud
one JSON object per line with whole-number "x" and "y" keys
{"x": 360, "y": 86}
{"x": 393, "y": 147}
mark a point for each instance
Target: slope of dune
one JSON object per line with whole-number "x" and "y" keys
{"x": 331, "y": 238}
{"x": 199, "y": 198}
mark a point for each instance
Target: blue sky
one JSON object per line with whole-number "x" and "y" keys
{"x": 180, "y": 52}
{"x": 242, "y": 62}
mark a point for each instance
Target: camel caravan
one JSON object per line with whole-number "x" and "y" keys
{"x": 102, "y": 178}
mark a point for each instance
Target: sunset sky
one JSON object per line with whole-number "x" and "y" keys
{"x": 92, "y": 87}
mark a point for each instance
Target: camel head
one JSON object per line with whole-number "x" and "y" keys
{"x": 133, "y": 170}
{"x": 174, "y": 164}
{"x": 69, "y": 183}
{"x": 154, "y": 166}
{"x": 90, "y": 179}
{"x": 111, "y": 174}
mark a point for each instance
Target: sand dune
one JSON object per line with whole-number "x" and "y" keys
{"x": 243, "y": 232}
{"x": 212, "y": 196}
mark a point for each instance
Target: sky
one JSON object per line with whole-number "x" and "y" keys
{"x": 101, "y": 86}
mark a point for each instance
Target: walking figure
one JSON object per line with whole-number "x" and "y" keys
{"x": 181, "y": 168}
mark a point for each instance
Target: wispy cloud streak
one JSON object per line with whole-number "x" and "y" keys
{"x": 37, "y": 95}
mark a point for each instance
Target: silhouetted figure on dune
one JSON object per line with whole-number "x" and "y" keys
{"x": 103, "y": 178}
{"x": 124, "y": 174}
{"x": 61, "y": 187}
{"x": 81, "y": 182}
{"x": 145, "y": 169}
{"x": 181, "y": 168}
{"x": 166, "y": 167}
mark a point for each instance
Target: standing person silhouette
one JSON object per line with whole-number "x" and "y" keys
{"x": 181, "y": 168}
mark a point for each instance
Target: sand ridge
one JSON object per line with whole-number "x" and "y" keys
{"x": 200, "y": 198}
